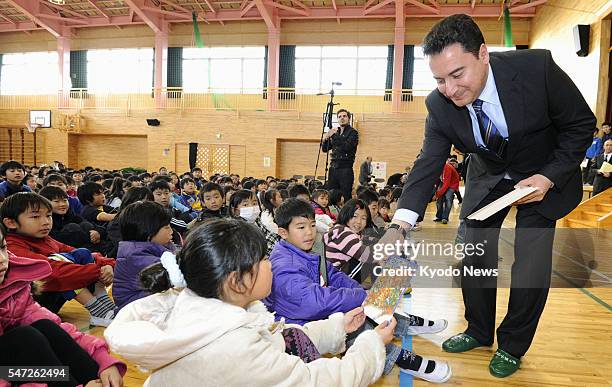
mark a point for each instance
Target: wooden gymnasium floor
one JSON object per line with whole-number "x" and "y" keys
{"x": 573, "y": 345}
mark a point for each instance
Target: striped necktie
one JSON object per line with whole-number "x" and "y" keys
{"x": 491, "y": 137}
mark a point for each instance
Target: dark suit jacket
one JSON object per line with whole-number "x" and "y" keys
{"x": 600, "y": 183}
{"x": 550, "y": 126}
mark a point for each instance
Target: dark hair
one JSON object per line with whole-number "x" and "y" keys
{"x": 95, "y": 177}
{"x": 134, "y": 178}
{"x": 86, "y": 192}
{"x": 607, "y": 123}
{"x": 227, "y": 189}
{"x": 348, "y": 211}
{"x": 212, "y": 251}
{"x": 335, "y": 195}
{"x": 396, "y": 193}
{"x": 54, "y": 177}
{"x": 226, "y": 179}
{"x": 141, "y": 220}
{"x": 20, "y": 202}
{"x": 383, "y": 192}
{"x": 344, "y": 110}
{"x": 159, "y": 184}
{"x": 458, "y": 28}
{"x": 52, "y": 192}
{"x": 185, "y": 181}
{"x": 319, "y": 192}
{"x": 116, "y": 188}
{"x": 368, "y": 196}
{"x": 298, "y": 189}
{"x": 144, "y": 175}
{"x": 196, "y": 169}
{"x": 134, "y": 194}
{"x": 284, "y": 193}
{"x": 237, "y": 198}
{"x": 314, "y": 185}
{"x": 209, "y": 187}
{"x": 267, "y": 200}
{"x": 292, "y": 208}
{"x": 384, "y": 203}
{"x": 248, "y": 185}
{"x": 12, "y": 164}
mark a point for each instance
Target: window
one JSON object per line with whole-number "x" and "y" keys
{"x": 424, "y": 82}
{"x": 224, "y": 69}
{"x": 120, "y": 70}
{"x": 29, "y": 73}
{"x": 362, "y": 70}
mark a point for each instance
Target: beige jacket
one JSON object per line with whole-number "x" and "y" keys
{"x": 187, "y": 340}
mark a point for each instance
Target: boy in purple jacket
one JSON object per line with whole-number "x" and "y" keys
{"x": 146, "y": 234}
{"x": 302, "y": 293}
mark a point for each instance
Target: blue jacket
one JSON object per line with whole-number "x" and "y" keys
{"x": 7, "y": 190}
{"x": 75, "y": 205}
{"x": 296, "y": 291}
{"x": 132, "y": 257}
{"x": 595, "y": 149}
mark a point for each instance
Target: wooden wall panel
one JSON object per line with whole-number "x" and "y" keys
{"x": 112, "y": 151}
{"x": 298, "y": 157}
{"x": 395, "y": 139}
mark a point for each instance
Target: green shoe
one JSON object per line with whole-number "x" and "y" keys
{"x": 503, "y": 364}
{"x": 460, "y": 343}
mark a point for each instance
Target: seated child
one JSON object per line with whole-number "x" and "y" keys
{"x": 377, "y": 227}
{"x": 244, "y": 205}
{"x": 113, "y": 228}
{"x": 13, "y": 173}
{"x": 320, "y": 201}
{"x": 146, "y": 235}
{"x": 336, "y": 201}
{"x": 162, "y": 195}
{"x": 27, "y": 216}
{"x": 91, "y": 195}
{"x": 189, "y": 197}
{"x": 211, "y": 197}
{"x": 301, "y": 292}
{"x": 31, "y": 334}
{"x": 30, "y": 181}
{"x": 224, "y": 268}
{"x": 70, "y": 228}
{"x": 272, "y": 199}
{"x": 383, "y": 210}
{"x": 60, "y": 181}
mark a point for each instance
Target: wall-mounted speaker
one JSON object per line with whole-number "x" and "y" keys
{"x": 152, "y": 122}
{"x": 581, "y": 39}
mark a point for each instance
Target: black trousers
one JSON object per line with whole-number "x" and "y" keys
{"x": 44, "y": 343}
{"x": 342, "y": 179}
{"x": 530, "y": 279}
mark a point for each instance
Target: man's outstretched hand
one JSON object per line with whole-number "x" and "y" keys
{"x": 541, "y": 183}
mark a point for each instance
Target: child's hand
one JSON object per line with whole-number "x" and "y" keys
{"x": 111, "y": 377}
{"x": 386, "y": 329}
{"x": 94, "y": 236}
{"x": 106, "y": 275}
{"x": 354, "y": 319}
{"x": 94, "y": 383}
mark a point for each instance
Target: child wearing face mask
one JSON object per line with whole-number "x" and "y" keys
{"x": 244, "y": 204}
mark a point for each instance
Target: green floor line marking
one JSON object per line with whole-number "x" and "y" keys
{"x": 583, "y": 290}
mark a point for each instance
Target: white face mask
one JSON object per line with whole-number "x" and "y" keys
{"x": 250, "y": 214}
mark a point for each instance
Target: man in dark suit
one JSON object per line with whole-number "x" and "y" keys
{"x": 342, "y": 141}
{"x": 365, "y": 171}
{"x": 525, "y": 124}
{"x": 603, "y": 180}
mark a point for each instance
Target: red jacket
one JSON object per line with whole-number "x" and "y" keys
{"x": 65, "y": 275}
{"x": 17, "y": 308}
{"x": 450, "y": 179}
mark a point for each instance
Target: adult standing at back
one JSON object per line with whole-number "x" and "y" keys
{"x": 365, "y": 171}
{"x": 342, "y": 141}
{"x": 525, "y": 124}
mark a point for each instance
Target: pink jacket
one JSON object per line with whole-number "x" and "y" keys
{"x": 18, "y": 308}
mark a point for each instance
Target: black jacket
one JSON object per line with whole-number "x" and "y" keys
{"x": 343, "y": 147}
{"x": 550, "y": 127}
